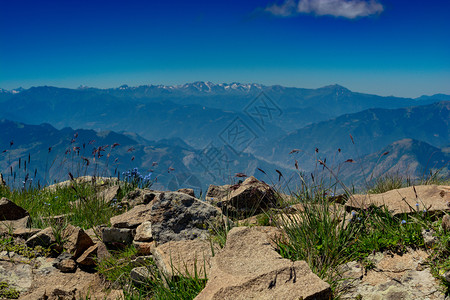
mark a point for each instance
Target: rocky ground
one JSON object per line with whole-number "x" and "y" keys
{"x": 174, "y": 230}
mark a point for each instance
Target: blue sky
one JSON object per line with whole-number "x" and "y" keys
{"x": 399, "y": 48}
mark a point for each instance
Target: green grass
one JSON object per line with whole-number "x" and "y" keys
{"x": 117, "y": 268}
{"x": 326, "y": 236}
{"x": 79, "y": 202}
{"x": 392, "y": 181}
{"x": 8, "y": 292}
{"x": 387, "y": 182}
{"x": 439, "y": 260}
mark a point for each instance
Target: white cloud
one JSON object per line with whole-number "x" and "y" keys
{"x": 338, "y": 8}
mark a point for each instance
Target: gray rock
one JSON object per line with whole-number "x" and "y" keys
{"x": 139, "y": 197}
{"x": 177, "y": 216}
{"x": 65, "y": 263}
{"x": 393, "y": 277}
{"x": 10, "y": 211}
{"x": 117, "y": 235}
{"x": 446, "y": 276}
{"x": 142, "y": 275}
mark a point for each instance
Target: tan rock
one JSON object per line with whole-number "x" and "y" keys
{"x": 67, "y": 265}
{"x": 144, "y": 248}
{"x": 132, "y": 218}
{"x": 10, "y": 211}
{"x": 88, "y": 257}
{"x": 25, "y": 233}
{"x": 8, "y": 227}
{"x": 109, "y": 194}
{"x": 94, "y": 233}
{"x": 249, "y": 198}
{"x": 185, "y": 258}
{"x": 76, "y": 240}
{"x": 250, "y": 268}
{"x": 430, "y": 197}
{"x": 144, "y": 232}
{"x": 95, "y": 181}
{"x": 218, "y": 192}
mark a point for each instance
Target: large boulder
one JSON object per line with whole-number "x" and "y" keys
{"x": 10, "y": 211}
{"x": 177, "y": 216}
{"x": 184, "y": 258}
{"x": 432, "y": 198}
{"x": 248, "y": 267}
{"x": 248, "y": 198}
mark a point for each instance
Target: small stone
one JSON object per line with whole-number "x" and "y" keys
{"x": 144, "y": 232}
{"x": 117, "y": 235}
{"x": 144, "y": 248}
{"x": 65, "y": 263}
{"x": 142, "y": 275}
{"x": 88, "y": 257}
{"x": 43, "y": 238}
{"x": 132, "y": 218}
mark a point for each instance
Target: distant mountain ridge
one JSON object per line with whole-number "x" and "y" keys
{"x": 53, "y": 153}
{"x": 195, "y": 112}
{"x": 408, "y": 158}
{"x": 363, "y": 133}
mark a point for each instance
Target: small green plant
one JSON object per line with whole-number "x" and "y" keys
{"x": 8, "y": 292}
{"x": 10, "y": 245}
{"x": 439, "y": 260}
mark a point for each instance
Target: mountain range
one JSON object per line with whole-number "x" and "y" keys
{"x": 256, "y": 126}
